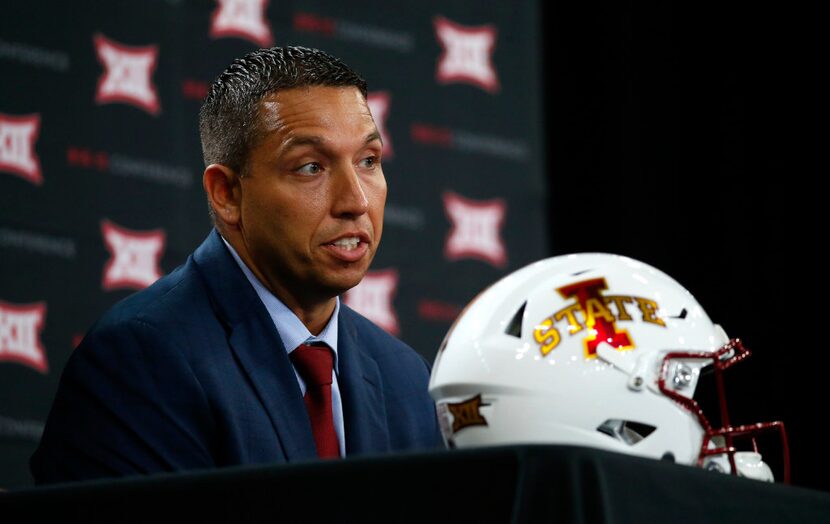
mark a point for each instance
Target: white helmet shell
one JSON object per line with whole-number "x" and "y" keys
{"x": 569, "y": 350}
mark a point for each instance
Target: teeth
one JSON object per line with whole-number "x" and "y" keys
{"x": 347, "y": 243}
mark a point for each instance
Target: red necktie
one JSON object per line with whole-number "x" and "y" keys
{"x": 314, "y": 364}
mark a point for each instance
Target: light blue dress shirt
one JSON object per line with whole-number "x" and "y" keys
{"x": 293, "y": 333}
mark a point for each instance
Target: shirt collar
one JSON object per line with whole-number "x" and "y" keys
{"x": 290, "y": 328}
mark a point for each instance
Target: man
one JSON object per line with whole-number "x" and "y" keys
{"x": 199, "y": 369}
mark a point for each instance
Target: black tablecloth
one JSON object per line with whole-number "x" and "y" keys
{"x": 520, "y": 484}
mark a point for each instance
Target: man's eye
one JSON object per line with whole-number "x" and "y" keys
{"x": 369, "y": 162}
{"x": 312, "y": 168}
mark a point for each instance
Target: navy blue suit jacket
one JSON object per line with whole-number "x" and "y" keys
{"x": 191, "y": 373}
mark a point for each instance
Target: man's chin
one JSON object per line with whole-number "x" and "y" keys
{"x": 343, "y": 283}
{"x": 349, "y": 285}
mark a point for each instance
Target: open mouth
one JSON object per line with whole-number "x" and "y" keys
{"x": 347, "y": 243}
{"x": 349, "y": 248}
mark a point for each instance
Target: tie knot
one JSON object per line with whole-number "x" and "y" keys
{"x": 314, "y": 364}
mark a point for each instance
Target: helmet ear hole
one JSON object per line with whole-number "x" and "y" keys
{"x": 626, "y": 431}
{"x": 514, "y": 327}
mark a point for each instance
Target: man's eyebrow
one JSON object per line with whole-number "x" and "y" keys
{"x": 313, "y": 140}
{"x": 302, "y": 140}
{"x": 373, "y": 136}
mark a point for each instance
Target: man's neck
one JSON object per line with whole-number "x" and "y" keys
{"x": 313, "y": 312}
{"x": 314, "y": 317}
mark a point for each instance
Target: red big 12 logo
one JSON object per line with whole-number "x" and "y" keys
{"x": 20, "y": 327}
{"x": 17, "y": 146}
{"x": 467, "y": 55}
{"x": 476, "y": 229}
{"x": 372, "y": 298}
{"x": 127, "y": 75}
{"x": 135, "y": 256}
{"x": 242, "y": 19}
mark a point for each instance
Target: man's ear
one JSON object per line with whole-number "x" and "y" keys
{"x": 221, "y": 185}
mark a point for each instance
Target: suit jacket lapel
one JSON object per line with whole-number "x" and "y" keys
{"x": 256, "y": 343}
{"x": 361, "y": 390}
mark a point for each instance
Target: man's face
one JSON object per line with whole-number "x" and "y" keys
{"x": 313, "y": 196}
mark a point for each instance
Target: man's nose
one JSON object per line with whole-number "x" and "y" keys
{"x": 349, "y": 197}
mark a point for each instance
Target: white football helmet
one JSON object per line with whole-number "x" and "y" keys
{"x": 594, "y": 350}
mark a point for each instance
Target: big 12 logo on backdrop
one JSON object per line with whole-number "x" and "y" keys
{"x": 379, "y": 102}
{"x": 476, "y": 229}
{"x": 468, "y": 54}
{"x": 20, "y": 327}
{"x": 17, "y": 146}
{"x": 134, "y": 263}
{"x": 372, "y": 298}
{"x": 127, "y": 75}
{"x": 242, "y": 19}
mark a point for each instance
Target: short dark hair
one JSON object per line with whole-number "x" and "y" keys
{"x": 228, "y": 120}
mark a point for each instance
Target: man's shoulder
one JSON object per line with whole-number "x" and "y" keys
{"x": 182, "y": 293}
{"x": 177, "y": 294}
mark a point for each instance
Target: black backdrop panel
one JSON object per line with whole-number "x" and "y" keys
{"x": 100, "y": 162}
{"x": 679, "y": 135}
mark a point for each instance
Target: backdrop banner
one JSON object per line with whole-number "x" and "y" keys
{"x": 100, "y": 161}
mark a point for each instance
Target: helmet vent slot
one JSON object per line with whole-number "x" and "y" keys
{"x": 682, "y": 315}
{"x": 514, "y": 327}
{"x": 626, "y": 431}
